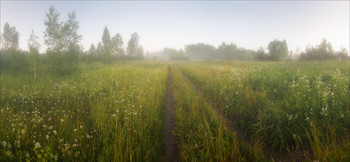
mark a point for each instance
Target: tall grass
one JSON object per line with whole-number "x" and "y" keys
{"x": 280, "y": 102}
{"x": 107, "y": 113}
{"x": 201, "y": 133}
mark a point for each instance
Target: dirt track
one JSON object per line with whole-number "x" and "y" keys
{"x": 246, "y": 140}
{"x": 169, "y": 137}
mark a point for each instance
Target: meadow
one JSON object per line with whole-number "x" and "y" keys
{"x": 223, "y": 111}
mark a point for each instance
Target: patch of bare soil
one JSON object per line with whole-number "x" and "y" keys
{"x": 169, "y": 137}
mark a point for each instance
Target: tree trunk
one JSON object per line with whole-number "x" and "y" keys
{"x": 34, "y": 72}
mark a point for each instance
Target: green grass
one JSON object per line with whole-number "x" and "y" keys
{"x": 282, "y": 102}
{"x": 107, "y": 114}
{"x": 201, "y": 133}
{"x": 115, "y": 113}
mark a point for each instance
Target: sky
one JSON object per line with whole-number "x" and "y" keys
{"x": 174, "y": 24}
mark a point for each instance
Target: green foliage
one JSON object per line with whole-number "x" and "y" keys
{"x": 14, "y": 62}
{"x": 117, "y": 46}
{"x": 278, "y": 50}
{"x": 173, "y": 54}
{"x": 232, "y": 52}
{"x": 10, "y": 37}
{"x": 34, "y": 46}
{"x": 180, "y": 55}
{"x": 106, "y": 40}
{"x": 134, "y": 50}
{"x": 260, "y": 55}
{"x": 200, "y": 51}
{"x": 62, "y": 40}
{"x": 324, "y": 51}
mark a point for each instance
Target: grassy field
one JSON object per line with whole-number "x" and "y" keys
{"x": 224, "y": 111}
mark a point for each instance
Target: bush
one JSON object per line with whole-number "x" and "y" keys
{"x": 14, "y": 61}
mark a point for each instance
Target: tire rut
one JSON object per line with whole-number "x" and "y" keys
{"x": 169, "y": 137}
{"x": 242, "y": 137}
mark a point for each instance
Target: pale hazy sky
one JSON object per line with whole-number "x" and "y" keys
{"x": 177, "y": 23}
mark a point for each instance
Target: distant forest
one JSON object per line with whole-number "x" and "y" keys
{"x": 64, "y": 51}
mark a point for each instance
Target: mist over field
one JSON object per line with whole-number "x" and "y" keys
{"x": 174, "y": 81}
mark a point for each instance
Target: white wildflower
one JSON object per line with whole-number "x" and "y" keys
{"x": 4, "y": 143}
{"x": 37, "y": 145}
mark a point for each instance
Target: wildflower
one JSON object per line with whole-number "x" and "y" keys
{"x": 62, "y": 120}
{"x": 27, "y": 155}
{"x": 55, "y": 157}
{"x": 8, "y": 153}
{"x": 54, "y": 131}
{"x": 50, "y": 127}
{"x": 23, "y": 131}
{"x": 87, "y": 136}
{"x": 47, "y": 137}
{"x": 307, "y": 119}
{"x": 75, "y": 130}
{"x": 37, "y": 145}
{"x": 81, "y": 126}
{"x": 4, "y": 143}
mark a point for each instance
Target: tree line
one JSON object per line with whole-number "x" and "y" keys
{"x": 64, "y": 51}
{"x": 277, "y": 51}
